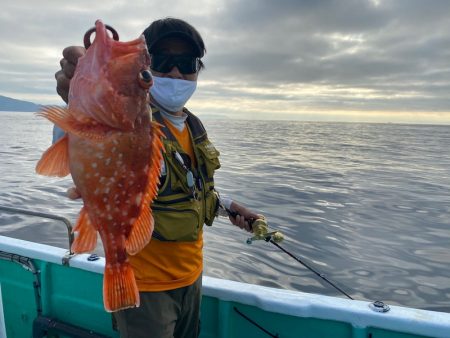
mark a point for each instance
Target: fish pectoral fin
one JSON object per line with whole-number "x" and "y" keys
{"x": 141, "y": 232}
{"x": 86, "y": 240}
{"x": 55, "y": 160}
{"x": 64, "y": 118}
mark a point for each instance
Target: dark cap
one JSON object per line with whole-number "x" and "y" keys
{"x": 171, "y": 27}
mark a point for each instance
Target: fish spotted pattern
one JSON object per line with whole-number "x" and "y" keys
{"x": 113, "y": 151}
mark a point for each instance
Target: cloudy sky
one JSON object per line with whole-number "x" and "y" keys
{"x": 341, "y": 60}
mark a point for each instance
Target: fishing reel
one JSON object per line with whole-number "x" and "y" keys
{"x": 261, "y": 232}
{"x": 260, "y": 229}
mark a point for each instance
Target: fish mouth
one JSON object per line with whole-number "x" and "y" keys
{"x": 110, "y": 87}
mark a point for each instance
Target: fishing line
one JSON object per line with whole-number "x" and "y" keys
{"x": 321, "y": 275}
{"x": 260, "y": 229}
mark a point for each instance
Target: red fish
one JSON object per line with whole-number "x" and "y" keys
{"x": 113, "y": 151}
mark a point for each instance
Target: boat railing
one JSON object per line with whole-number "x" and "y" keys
{"x": 43, "y": 215}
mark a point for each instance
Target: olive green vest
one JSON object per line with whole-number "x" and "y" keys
{"x": 186, "y": 198}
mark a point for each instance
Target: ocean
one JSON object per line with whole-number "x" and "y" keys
{"x": 367, "y": 205}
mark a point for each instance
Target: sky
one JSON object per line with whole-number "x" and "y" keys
{"x": 313, "y": 60}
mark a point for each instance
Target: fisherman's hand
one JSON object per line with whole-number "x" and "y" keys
{"x": 73, "y": 193}
{"x": 244, "y": 216}
{"x": 68, "y": 63}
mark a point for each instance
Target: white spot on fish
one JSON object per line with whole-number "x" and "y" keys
{"x": 102, "y": 179}
{"x": 107, "y": 191}
{"x": 138, "y": 199}
{"x": 108, "y": 161}
{"x": 113, "y": 150}
{"x": 96, "y": 191}
{"x": 124, "y": 213}
{"x": 94, "y": 165}
{"x": 105, "y": 199}
{"x": 96, "y": 174}
{"x": 110, "y": 217}
{"x": 115, "y": 142}
{"x": 99, "y": 155}
{"x": 132, "y": 220}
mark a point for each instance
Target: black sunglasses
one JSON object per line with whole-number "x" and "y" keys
{"x": 164, "y": 63}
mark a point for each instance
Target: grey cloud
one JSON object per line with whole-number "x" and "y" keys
{"x": 399, "y": 49}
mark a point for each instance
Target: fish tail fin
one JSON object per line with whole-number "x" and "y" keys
{"x": 55, "y": 160}
{"x": 86, "y": 240}
{"x": 119, "y": 287}
{"x": 142, "y": 228}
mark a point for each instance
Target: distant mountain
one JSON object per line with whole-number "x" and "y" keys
{"x": 10, "y": 104}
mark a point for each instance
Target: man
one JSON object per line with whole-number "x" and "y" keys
{"x": 168, "y": 270}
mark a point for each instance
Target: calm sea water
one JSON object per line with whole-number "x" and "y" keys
{"x": 368, "y": 205}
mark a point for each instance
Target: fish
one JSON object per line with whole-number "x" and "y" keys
{"x": 113, "y": 151}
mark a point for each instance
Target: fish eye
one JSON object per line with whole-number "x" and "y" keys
{"x": 145, "y": 78}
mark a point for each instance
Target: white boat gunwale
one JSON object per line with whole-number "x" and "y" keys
{"x": 286, "y": 302}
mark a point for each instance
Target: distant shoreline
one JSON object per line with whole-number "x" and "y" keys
{"x": 8, "y": 104}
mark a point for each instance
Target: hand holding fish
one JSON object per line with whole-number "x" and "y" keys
{"x": 68, "y": 64}
{"x": 73, "y": 193}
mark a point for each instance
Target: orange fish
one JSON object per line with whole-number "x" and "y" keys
{"x": 113, "y": 151}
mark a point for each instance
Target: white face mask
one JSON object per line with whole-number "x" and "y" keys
{"x": 172, "y": 94}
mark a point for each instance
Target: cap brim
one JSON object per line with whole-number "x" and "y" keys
{"x": 183, "y": 35}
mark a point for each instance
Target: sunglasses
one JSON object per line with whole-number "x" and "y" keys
{"x": 164, "y": 63}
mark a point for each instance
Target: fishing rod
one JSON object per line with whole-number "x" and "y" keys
{"x": 261, "y": 232}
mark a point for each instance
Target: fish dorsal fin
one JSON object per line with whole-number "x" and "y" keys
{"x": 64, "y": 118}
{"x": 86, "y": 240}
{"x": 142, "y": 228}
{"x": 55, "y": 160}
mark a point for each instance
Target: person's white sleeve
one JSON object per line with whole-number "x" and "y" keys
{"x": 225, "y": 201}
{"x": 57, "y": 133}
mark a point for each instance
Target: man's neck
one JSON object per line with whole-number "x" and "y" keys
{"x": 176, "y": 120}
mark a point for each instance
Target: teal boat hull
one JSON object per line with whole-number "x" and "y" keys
{"x": 44, "y": 292}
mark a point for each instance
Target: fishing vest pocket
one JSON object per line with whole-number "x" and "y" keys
{"x": 177, "y": 222}
{"x": 211, "y": 206}
{"x": 210, "y": 156}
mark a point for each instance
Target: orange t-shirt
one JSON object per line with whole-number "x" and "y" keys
{"x": 163, "y": 265}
